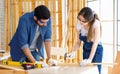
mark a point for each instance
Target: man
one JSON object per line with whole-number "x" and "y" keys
{"x": 33, "y": 33}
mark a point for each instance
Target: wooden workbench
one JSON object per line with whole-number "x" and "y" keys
{"x": 60, "y": 69}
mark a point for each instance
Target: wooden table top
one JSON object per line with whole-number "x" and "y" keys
{"x": 60, "y": 69}
{"x": 65, "y": 69}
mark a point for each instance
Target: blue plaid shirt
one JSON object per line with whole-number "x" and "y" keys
{"x": 24, "y": 36}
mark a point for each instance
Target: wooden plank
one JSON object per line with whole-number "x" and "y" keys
{"x": 74, "y": 15}
{"x": 46, "y": 2}
{"x": 2, "y": 71}
{"x": 118, "y": 57}
{"x": 17, "y": 13}
{"x": 60, "y": 21}
{"x": 54, "y": 33}
{"x": 116, "y": 68}
{"x": 8, "y": 32}
{"x": 69, "y": 24}
{"x": 33, "y": 4}
{"x": 6, "y": 71}
{"x": 110, "y": 70}
{"x": 13, "y": 17}
{"x": 24, "y": 6}
{"x": 21, "y": 72}
{"x": 84, "y": 3}
{"x": 5, "y": 29}
{"x": 29, "y": 6}
{"x": 10, "y": 67}
{"x": 20, "y": 7}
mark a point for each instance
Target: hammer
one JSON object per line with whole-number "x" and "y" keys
{"x": 65, "y": 56}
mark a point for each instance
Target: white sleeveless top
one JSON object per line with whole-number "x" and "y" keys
{"x": 83, "y": 31}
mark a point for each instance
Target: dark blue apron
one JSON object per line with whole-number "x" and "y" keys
{"x": 87, "y": 49}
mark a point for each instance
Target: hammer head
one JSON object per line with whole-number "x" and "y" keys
{"x": 65, "y": 56}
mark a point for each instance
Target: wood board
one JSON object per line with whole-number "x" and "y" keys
{"x": 60, "y": 69}
{"x": 116, "y": 68}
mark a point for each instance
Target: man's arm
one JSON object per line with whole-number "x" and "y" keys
{"x": 48, "y": 49}
{"x": 28, "y": 55}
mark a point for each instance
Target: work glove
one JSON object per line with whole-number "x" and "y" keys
{"x": 52, "y": 62}
{"x": 85, "y": 62}
{"x": 43, "y": 63}
{"x": 71, "y": 55}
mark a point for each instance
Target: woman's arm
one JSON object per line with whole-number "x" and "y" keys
{"x": 76, "y": 47}
{"x": 78, "y": 42}
{"x": 95, "y": 41}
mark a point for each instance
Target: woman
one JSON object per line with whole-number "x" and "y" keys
{"x": 89, "y": 31}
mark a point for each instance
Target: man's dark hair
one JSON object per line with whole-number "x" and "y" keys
{"x": 42, "y": 12}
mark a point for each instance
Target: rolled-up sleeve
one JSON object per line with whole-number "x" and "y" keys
{"x": 48, "y": 33}
{"x": 23, "y": 33}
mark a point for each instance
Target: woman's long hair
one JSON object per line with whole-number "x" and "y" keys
{"x": 90, "y": 16}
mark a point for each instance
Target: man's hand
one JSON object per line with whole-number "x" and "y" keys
{"x": 52, "y": 62}
{"x": 85, "y": 62}
{"x": 43, "y": 63}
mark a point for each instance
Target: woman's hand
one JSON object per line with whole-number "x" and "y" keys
{"x": 85, "y": 62}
